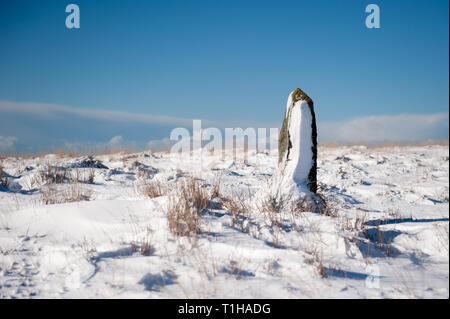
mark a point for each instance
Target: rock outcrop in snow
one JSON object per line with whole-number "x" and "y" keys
{"x": 297, "y": 149}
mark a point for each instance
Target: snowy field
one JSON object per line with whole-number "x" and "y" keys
{"x": 73, "y": 227}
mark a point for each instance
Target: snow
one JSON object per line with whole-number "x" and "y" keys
{"x": 91, "y": 249}
{"x": 302, "y": 143}
{"x": 300, "y": 156}
{"x": 292, "y": 178}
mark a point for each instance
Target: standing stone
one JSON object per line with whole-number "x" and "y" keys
{"x": 297, "y": 145}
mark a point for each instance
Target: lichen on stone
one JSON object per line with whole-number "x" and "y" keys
{"x": 298, "y": 95}
{"x": 283, "y": 137}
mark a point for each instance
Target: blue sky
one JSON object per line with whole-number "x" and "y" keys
{"x": 223, "y": 61}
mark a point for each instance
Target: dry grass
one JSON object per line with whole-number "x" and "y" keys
{"x": 381, "y": 242}
{"x": 316, "y": 260}
{"x": 355, "y": 225}
{"x": 81, "y": 177}
{"x": 91, "y": 176}
{"x": 53, "y": 174}
{"x": 280, "y": 212}
{"x": 410, "y": 284}
{"x": 394, "y": 213}
{"x": 443, "y": 194}
{"x": 186, "y": 206}
{"x": 442, "y": 236}
{"x": 239, "y": 209}
{"x": 152, "y": 189}
{"x": 88, "y": 247}
{"x": 279, "y": 215}
{"x": 205, "y": 261}
{"x": 183, "y": 219}
{"x": 69, "y": 193}
{"x": 71, "y": 153}
{"x": 318, "y": 204}
{"x": 194, "y": 193}
{"x": 273, "y": 210}
{"x": 444, "y": 142}
{"x": 143, "y": 244}
{"x": 376, "y": 236}
{"x": 63, "y": 153}
{"x": 216, "y": 188}
{"x": 237, "y": 267}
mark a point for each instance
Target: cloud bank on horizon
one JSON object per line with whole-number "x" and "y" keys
{"x": 33, "y": 127}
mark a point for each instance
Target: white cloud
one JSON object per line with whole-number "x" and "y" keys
{"x": 162, "y": 144}
{"x": 46, "y": 110}
{"x": 370, "y": 129}
{"x": 116, "y": 141}
{"x": 398, "y": 128}
{"x": 7, "y": 143}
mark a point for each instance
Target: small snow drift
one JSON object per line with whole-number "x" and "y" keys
{"x": 297, "y": 147}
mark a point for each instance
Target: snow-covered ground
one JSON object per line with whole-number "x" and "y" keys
{"x": 388, "y": 235}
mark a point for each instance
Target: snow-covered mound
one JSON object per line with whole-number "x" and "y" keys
{"x": 108, "y": 234}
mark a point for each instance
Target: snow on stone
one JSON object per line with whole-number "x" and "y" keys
{"x": 297, "y": 147}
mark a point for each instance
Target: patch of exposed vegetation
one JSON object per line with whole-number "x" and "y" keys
{"x": 4, "y": 182}
{"x": 186, "y": 207}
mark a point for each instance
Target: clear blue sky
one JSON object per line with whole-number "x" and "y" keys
{"x": 222, "y": 60}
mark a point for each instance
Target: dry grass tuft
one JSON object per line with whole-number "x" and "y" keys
{"x": 143, "y": 244}
{"x": 316, "y": 260}
{"x": 81, "y": 176}
{"x": 53, "y": 174}
{"x": 91, "y": 176}
{"x": 239, "y": 209}
{"x": 395, "y": 213}
{"x": 380, "y": 239}
{"x": 194, "y": 193}
{"x": 317, "y": 204}
{"x": 273, "y": 211}
{"x": 70, "y": 193}
{"x": 183, "y": 219}
{"x": 443, "y": 237}
{"x": 283, "y": 212}
{"x": 186, "y": 206}
{"x": 152, "y": 189}
{"x": 443, "y": 142}
{"x": 353, "y": 225}
{"x": 216, "y": 188}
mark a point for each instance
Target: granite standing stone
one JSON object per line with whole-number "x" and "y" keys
{"x": 297, "y": 142}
